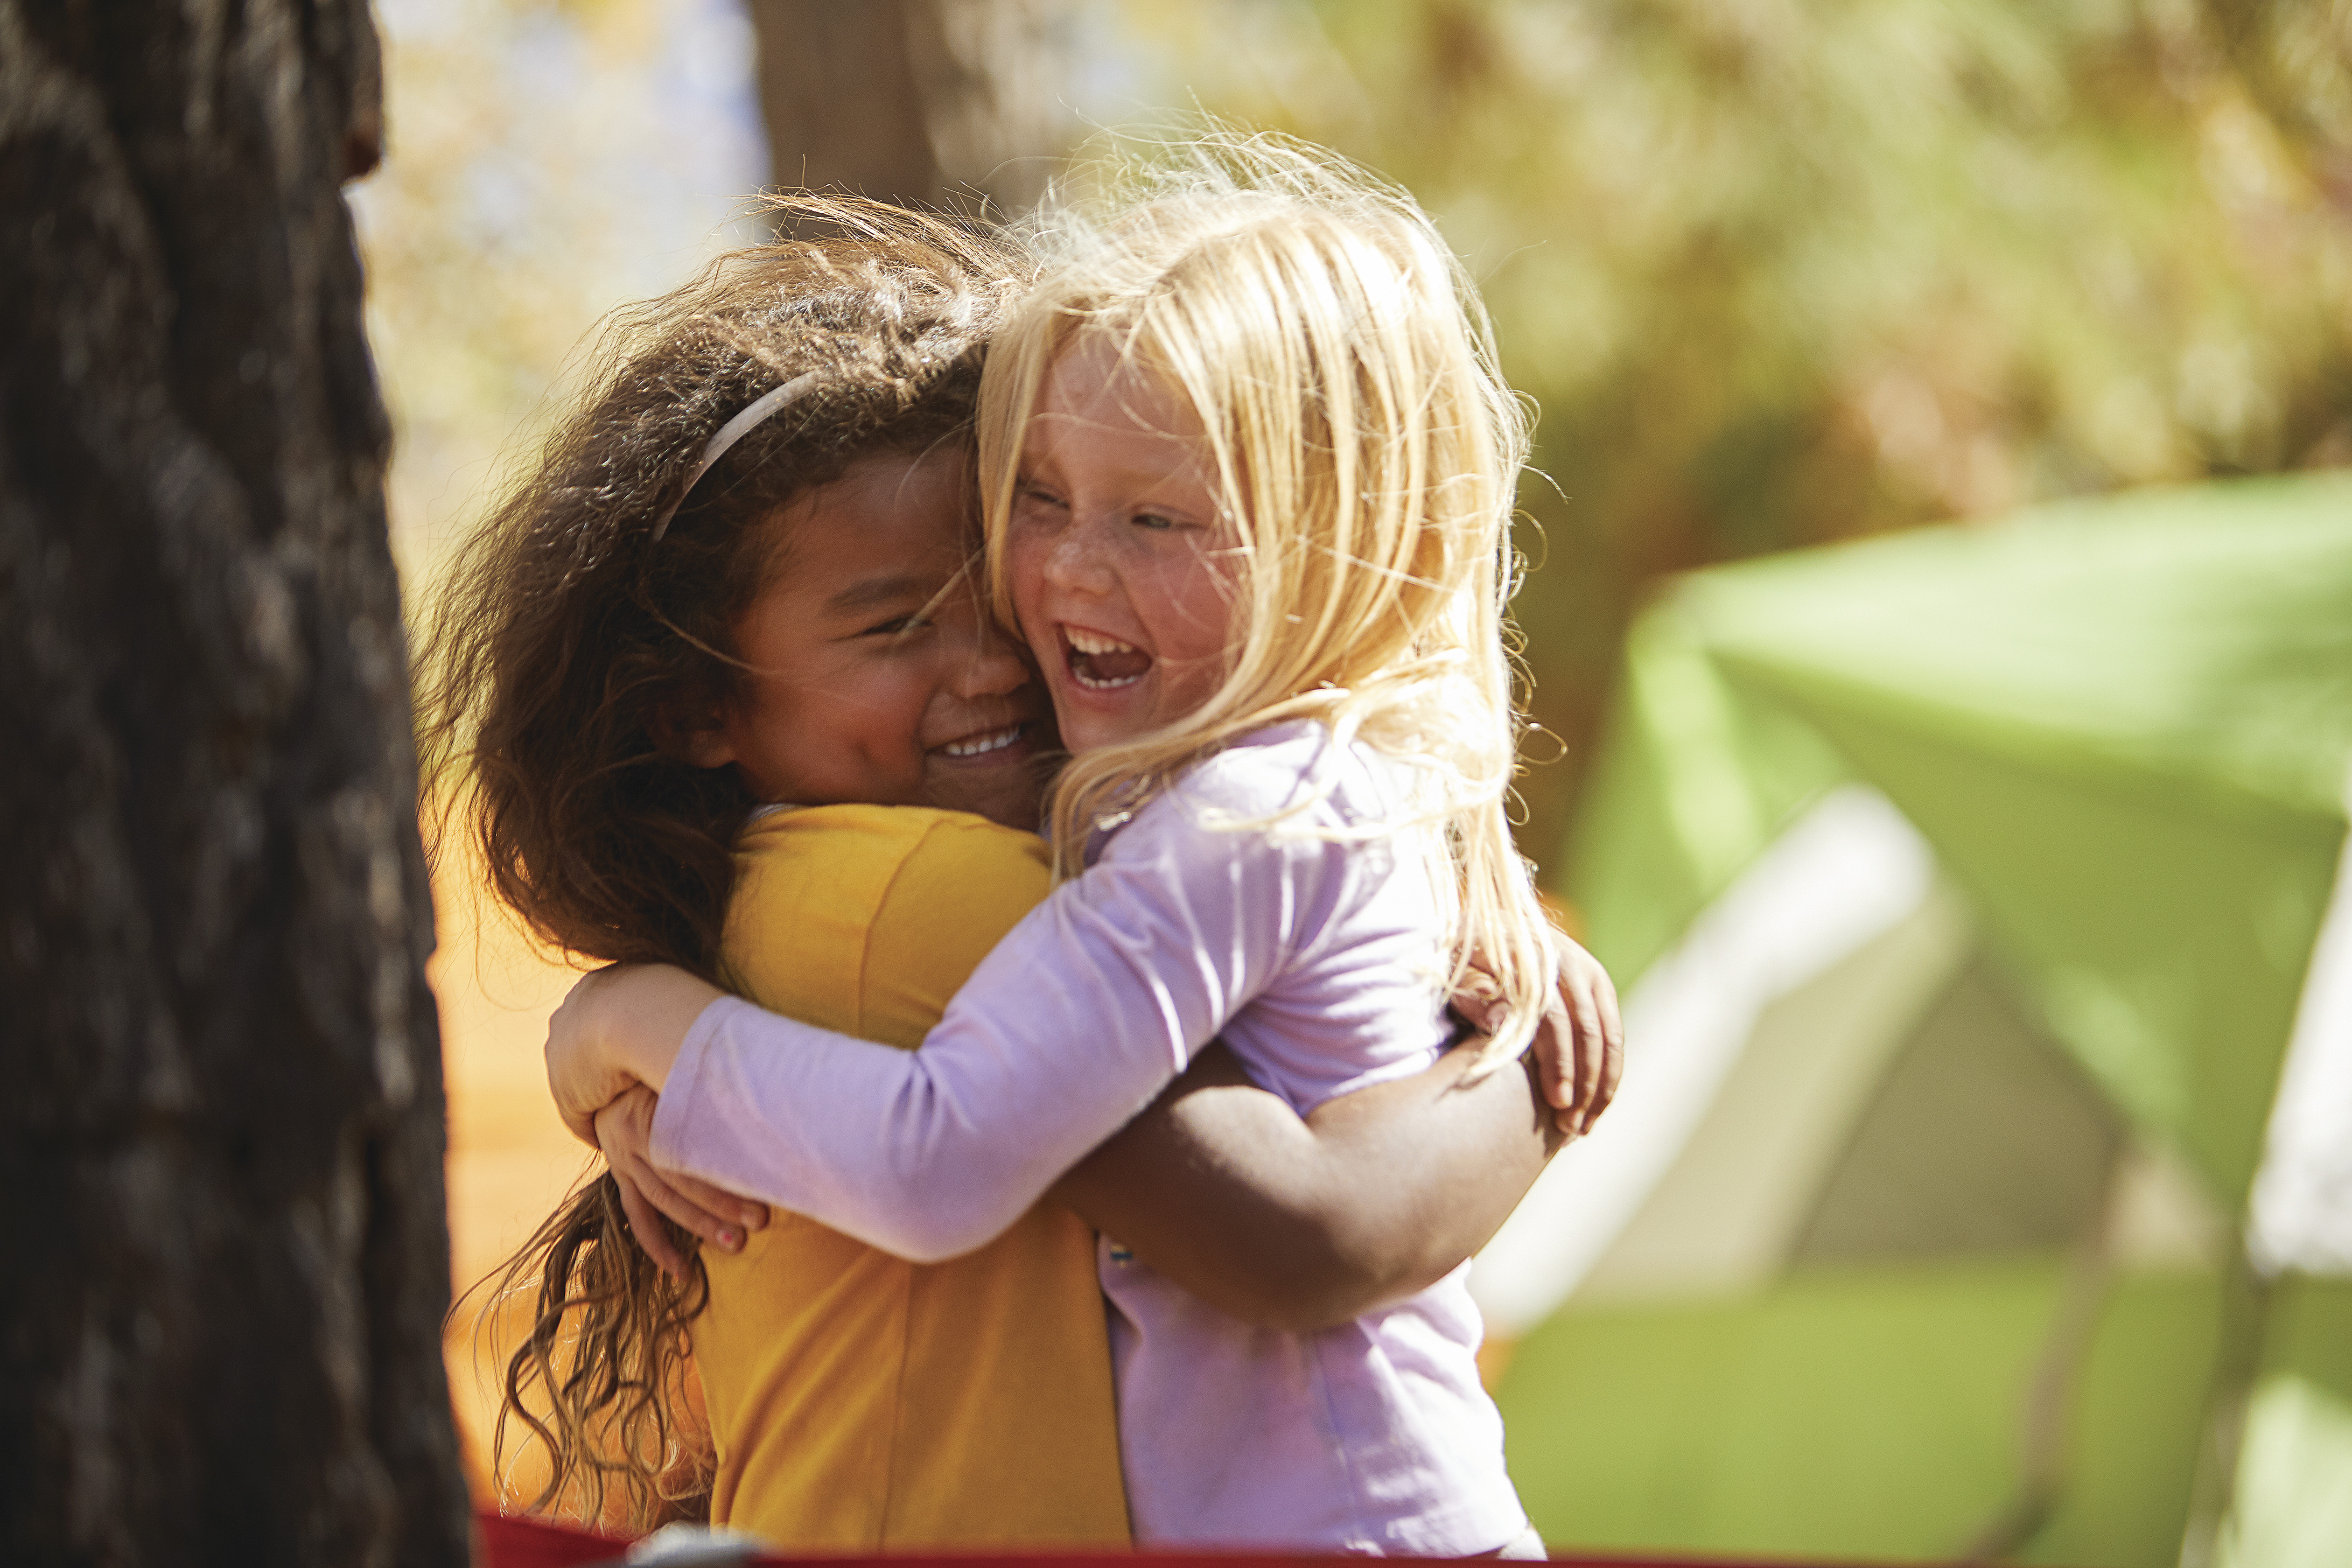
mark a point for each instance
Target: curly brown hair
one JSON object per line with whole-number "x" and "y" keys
{"x": 573, "y": 637}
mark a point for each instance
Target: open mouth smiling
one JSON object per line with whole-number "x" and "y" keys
{"x": 1099, "y": 663}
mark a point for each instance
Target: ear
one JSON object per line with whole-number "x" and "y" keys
{"x": 695, "y": 733}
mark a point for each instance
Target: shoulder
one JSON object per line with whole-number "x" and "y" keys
{"x": 961, "y": 884}
{"x": 1295, "y": 773}
{"x": 1286, "y": 804}
{"x": 882, "y": 837}
{"x": 866, "y": 918}
{"x": 848, "y": 864}
{"x": 954, "y": 852}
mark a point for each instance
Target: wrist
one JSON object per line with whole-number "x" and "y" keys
{"x": 661, "y": 1006}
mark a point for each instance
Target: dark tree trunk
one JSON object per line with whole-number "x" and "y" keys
{"x": 221, "y": 1225}
{"x": 933, "y": 102}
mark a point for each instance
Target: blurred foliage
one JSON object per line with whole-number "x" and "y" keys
{"x": 1786, "y": 271}
{"x": 1777, "y": 271}
{"x": 546, "y": 162}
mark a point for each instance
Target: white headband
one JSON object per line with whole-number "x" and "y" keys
{"x": 734, "y": 430}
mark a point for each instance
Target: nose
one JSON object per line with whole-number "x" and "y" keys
{"x": 1075, "y": 559}
{"x": 982, "y": 661}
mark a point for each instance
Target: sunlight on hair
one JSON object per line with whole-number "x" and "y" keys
{"x": 1366, "y": 453}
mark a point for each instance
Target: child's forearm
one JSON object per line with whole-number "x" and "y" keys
{"x": 1093, "y": 1002}
{"x": 926, "y": 1154}
{"x": 1301, "y": 1225}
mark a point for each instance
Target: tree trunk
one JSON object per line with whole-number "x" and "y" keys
{"x": 220, "y": 1217}
{"x": 928, "y": 102}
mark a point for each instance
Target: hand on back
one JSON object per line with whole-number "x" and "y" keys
{"x": 1580, "y": 1049}
{"x": 624, "y": 1131}
{"x": 618, "y": 1027}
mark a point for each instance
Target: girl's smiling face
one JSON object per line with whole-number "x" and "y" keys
{"x": 876, "y": 672}
{"x": 1116, "y": 552}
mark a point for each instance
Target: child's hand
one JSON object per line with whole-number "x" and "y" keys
{"x": 625, "y": 1130}
{"x": 619, "y": 1027}
{"x": 1579, "y": 1046}
{"x": 1583, "y": 1013}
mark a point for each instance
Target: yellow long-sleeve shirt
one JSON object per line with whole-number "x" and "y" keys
{"x": 860, "y": 1403}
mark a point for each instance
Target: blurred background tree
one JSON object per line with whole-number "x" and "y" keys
{"x": 223, "y": 1139}
{"x": 1776, "y": 273}
{"x": 921, "y": 101}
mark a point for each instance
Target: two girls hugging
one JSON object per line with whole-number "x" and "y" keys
{"x": 1123, "y": 1179}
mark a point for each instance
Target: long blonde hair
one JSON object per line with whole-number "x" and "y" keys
{"x": 1366, "y": 452}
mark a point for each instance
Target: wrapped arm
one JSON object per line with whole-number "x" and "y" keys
{"x": 1299, "y": 1225}
{"x": 1087, "y": 1009}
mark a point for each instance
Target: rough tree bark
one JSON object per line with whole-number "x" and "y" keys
{"x": 222, "y": 1251}
{"x": 934, "y": 102}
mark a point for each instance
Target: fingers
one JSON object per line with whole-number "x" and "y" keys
{"x": 724, "y": 1234}
{"x": 748, "y": 1214}
{"x": 1612, "y": 1033}
{"x": 579, "y": 1094}
{"x": 1597, "y": 1032}
{"x": 1552, "y": 1078}
{"x": 1592, "y": 1056}
{"x": 1580, "y": 1047}
{"x": 644, "y": 1224}
{"x": 581, "y": 1078}
{"x": 625, "y": 1129}
{"x": 1558, "y": 1047}
{"x": 578, "y": 1099}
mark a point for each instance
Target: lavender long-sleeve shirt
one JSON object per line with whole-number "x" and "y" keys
{"x": 1317, "y": 959}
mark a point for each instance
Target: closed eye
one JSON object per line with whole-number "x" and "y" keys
{"x": 898, "y": 625}
{"x": 1037, "y": 494}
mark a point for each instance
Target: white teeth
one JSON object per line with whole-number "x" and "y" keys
{"x": 980, "y": 744}
{"x": 1091, "y": 645}
{"x": 1095, "y": 642}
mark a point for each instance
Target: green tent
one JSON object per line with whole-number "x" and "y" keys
{"x": 1964, "y": 887}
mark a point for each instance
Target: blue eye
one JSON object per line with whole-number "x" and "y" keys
{"x": 1153, "y": 521}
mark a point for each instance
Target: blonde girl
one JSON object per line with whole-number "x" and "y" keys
{"x": 1249, "y": 470}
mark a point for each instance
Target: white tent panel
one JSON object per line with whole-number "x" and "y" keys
{"x": 1730, "y": 1209}
{"x": 2303, "y": 1193}
{"x": 1848, "y": 872}
{"x": 1828, "y": 1069}
{"x": 2293, "y": 1502}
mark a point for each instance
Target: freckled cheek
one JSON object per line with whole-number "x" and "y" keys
{"x": 1033, "y": 628}
{"x": 1023, "y": 569}
{"x": 1196, "y": 607}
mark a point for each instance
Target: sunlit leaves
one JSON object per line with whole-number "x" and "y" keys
{"x": 1782, "y": 272}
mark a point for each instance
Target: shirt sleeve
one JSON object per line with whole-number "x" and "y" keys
{"x": 1069, "y": 1026}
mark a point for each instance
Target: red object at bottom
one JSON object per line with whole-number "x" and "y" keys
{"x": 507, "y": 1541}
{"x": 512, "y": 1543}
